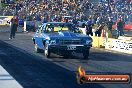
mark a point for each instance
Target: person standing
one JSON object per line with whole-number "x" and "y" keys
{"x": 109, "y": 25}
{"x": 89, "y": 25}
{"x": 99, "y": 29}
{"x": 120, "y": 27}
{"x": 14, "y": 25}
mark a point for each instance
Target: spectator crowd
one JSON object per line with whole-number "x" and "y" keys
{"x": 99, "y": 11}
{"x": 38, "y": 9}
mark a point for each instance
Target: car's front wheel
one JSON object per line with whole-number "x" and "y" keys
{"x": 37, "y": 50}
{"x": 86, "y": 54}
{"x": 47, "y": 51}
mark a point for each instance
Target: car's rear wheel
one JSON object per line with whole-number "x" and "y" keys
{"x": 47, "y": 51}
{"x": 86, "y": 54}
{"x": 37, "y": 50}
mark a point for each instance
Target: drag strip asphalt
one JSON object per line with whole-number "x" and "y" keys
{"x": 33, "y": 70}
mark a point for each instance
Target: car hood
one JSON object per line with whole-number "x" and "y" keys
{"x": 67, "y": 34}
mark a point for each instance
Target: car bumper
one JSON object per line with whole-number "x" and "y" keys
{"x": 69, "y": 48}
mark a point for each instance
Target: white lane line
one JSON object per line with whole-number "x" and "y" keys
{"x": 6, "y": 77}
{"x": 7, "y": 81}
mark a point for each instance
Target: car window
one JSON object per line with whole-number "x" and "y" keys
{"x": 41, "y": 29}
{"x": 55, "y": 27}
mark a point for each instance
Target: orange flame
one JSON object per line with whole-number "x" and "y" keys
{"x": 81, "y": 71}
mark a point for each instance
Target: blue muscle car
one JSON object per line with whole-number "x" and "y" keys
{"x": 61, "y": 38}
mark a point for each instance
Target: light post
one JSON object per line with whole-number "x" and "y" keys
{"x": 25, "y": 20}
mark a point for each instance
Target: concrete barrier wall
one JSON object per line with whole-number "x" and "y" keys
{"x": 36, "y": 23}
{"x": 31, "y": 23}
{"x": 5, "y": 20}
{"x": 119, "y": 45}
{"x": 99, "y": 42}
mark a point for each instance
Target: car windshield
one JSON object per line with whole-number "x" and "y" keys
{"x": 55, "y": 27}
